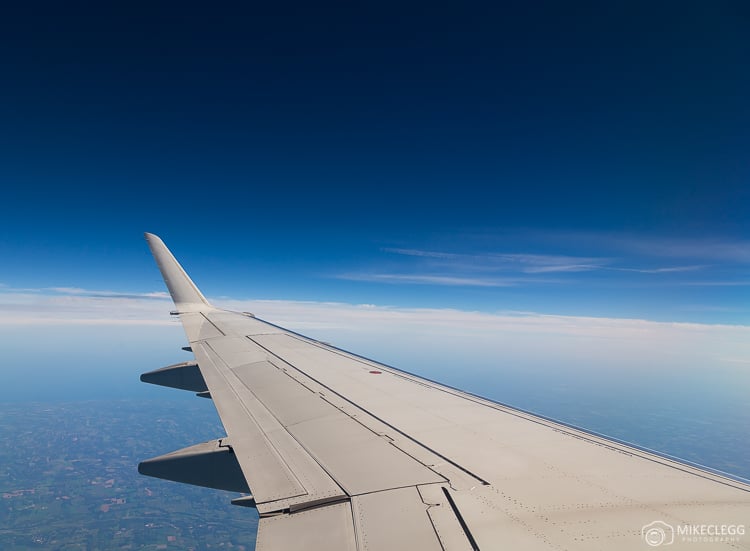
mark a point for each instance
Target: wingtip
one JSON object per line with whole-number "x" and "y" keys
{"x": 180, "y": 286}
{"x": 153, "y": 240}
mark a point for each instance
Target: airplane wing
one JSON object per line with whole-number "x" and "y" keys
{"x": 339, "y": 452}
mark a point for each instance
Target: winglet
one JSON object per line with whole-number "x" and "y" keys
{"x": 185, "y": 294}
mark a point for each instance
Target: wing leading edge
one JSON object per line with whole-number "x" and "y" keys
{"x": 341, "y": 452}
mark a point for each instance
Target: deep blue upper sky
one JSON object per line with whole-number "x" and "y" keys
{"x": 585, "y": 158}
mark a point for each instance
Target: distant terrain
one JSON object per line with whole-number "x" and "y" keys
{"x": 68, "y": 479}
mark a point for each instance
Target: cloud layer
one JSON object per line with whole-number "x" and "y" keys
{"x": 523, "y": 336}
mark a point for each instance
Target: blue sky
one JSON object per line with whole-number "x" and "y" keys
{"x": 492, "y": 196}
{"x": 581, "y": 160}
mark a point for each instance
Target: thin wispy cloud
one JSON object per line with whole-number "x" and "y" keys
{"x": 741, "y": 361}
{"x": 705, "y": 249}
{"x": 77, "y": 291}
{"x": 430, "y": 279}
{"x": 718, "y": 283}
{"x": 78, "y": 306}
{"x": 454, "y": 268}
{"x": 560, "y": 268}
{"x": 422, "y": 254}
{"x": 545, "y": 259}
{"x": 510, "y": 261}
{"x": 670, "y": 270}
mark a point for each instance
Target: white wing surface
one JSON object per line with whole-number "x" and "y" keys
{"x": 338, "y": 452}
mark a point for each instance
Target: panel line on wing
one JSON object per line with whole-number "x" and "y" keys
{"x": 356, "y": 457}
{"x": 376, "y": 417}
{"x": 296, "y": 488}
{"x": 301, "y": 469}
{"x": 461, "y": 519}
{"x": 561, "y": 427}
{"x": 213, "y": 324}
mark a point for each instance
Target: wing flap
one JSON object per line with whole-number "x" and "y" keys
{"x": 276, "y": 467}
{"x": 358, "y": 459}
{"x": 395, "y": 519}
{"x": 327, "y": 528}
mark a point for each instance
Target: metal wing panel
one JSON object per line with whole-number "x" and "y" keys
{"x": 268, "y": 475}
{"x": 447, "y": 525}
{"x": 291, "y": 404}
{"x": 198, "y": 328}
{"x": 540, "y": 472}
{"x": 358, "y": 459}
{"x": 551, "y": 486}
{"x": 329, "y": 528}
{"x": 394, "y": 520}
{"x": 492, "y": 515}
{"x": 344, "y": 451}
{"x": 293, "y": 445}
{"x": 240, "y": 325}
